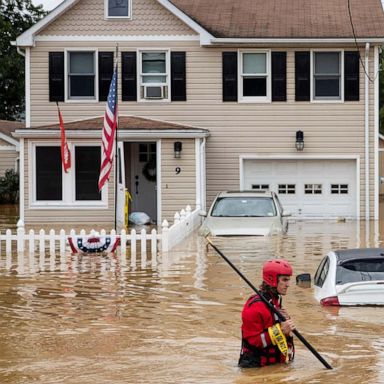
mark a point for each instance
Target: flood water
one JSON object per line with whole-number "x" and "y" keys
{"x": 96, "y": 319}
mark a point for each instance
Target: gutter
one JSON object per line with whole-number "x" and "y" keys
{"x": 303, "y": 41}
{"x": 366, "y": 132}
{"x": 121, "y": 135}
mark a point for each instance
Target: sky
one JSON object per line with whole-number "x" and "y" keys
{"x": 47, "y": 4}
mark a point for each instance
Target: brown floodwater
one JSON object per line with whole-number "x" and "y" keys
{"x": 96, "y": 319}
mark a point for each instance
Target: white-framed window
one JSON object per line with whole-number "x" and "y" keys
{"x": 287, "y": 189}
{"x": 313, "y": 189}
{"x": 81, "y": 75}
{"x": 327, "y": 75}
{"x": 154, "y": 75}
{"x": 52, "y": 187}
{"x": 339, "y": 189}
{"x": 118, "y": 9}
{"x": 254, "y": 76}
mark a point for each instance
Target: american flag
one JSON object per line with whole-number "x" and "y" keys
{"x": 108, "y": 133}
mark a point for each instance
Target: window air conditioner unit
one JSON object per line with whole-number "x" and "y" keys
{"x": 153, "y": 92}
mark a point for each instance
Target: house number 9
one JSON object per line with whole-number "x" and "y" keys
{"x": 177, "y": 170}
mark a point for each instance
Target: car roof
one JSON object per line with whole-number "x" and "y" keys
{"x": 245, "y": 194}
{"x": 359, "y": 253}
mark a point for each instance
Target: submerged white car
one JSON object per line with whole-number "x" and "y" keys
{"x": 253, "y": 213}
{"x": 351, "y": 277}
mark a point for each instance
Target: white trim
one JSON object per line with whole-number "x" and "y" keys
{"x": 312, "y": 86}
{"x": 304, "y": 41}
{"x": 119, "y": 38}
{"x": 21, "y": 182}
{"x": 305, "y": 157}
{"x": 122, "y": 135}
{"x": 376, "y": 134}
{"x": 256, "y": 99}
{"x": 205, "y": 36}
{"x": 27, "y": 38}
{"x": 9, "y": 140}
{"x": 158, "y": 181}
{"x": 27, "y": 87}
{"x": 107, "y": 17}
{"x": 68, "y": 184}
{"x": 67, "y": 52}
{"x": 366, "y": 135}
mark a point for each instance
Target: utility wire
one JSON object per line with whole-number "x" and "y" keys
{"x": 357, "y": 46}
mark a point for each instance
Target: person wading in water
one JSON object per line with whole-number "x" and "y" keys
{"x": 265, "y": 340}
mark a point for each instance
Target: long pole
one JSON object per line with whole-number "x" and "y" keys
{"x": 271, "y": 307}
{"x": 116, "y": 148}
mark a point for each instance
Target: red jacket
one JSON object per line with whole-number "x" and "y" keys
{"x": 257, "y": 348}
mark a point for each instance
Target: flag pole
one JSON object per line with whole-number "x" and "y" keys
{"x": 117, "y": 125}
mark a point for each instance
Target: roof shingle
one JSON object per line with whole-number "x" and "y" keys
{"x": 286, "y": 18}
{"x": 7, "y": 127}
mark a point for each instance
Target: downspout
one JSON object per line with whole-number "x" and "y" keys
{"x": 21, "y": 169}
{"x": 203, "y": 197}
{"x": 20, "y": 52}
{"x": 366, "y": 130}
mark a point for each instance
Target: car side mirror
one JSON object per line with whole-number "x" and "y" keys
{"x": 203, "y": 213}
{"x": 286, "y": 214}
{"x": 303, "y": 280}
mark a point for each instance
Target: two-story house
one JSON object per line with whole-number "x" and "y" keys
{"x": 213, "y": 95}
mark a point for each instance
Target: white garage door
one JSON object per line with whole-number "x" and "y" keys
{"x": 307, "y": 188}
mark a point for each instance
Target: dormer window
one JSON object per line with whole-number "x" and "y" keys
{"x": 118, "y": 8}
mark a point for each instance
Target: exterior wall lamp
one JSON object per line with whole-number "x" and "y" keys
{"x": 177, "y": 148}
{"x": 299, "y": 140}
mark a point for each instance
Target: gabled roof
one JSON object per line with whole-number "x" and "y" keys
{"x": 286, "y": 18}
{"x": 128, "y": 126}
{"x": 6, "y": 129}
{"x": 27, "y": 38}
{"x": 216, "y": 20}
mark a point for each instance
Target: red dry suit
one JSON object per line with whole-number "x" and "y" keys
{"x": 257, "y": 349}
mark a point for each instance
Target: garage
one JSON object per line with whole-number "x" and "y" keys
{"x": 308, "y": 188}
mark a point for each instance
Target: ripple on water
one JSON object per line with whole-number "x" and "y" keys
{"x": 92, "y": 319}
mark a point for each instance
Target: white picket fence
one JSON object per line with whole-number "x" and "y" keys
{"x": 185, "y": 222}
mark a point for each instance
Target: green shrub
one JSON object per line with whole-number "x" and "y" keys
{"x": 9, "y": 187}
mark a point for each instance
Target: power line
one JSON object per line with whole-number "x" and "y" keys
{"x": 357, "y": 46}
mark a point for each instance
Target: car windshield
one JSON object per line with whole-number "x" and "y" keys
{"x": 355, "y": 270}
{"x": 244, "y": 207}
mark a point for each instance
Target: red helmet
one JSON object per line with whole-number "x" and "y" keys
{"x": 272, "y": 269}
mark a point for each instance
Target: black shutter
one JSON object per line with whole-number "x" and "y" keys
{"x": 128, "y": 76}
{"x": 56, "y": 76}
{"x": 178, "y": 77}
{"x": 351, "y": 76}
{"x": 279, "y": 76}
{"x": 302, "y": 76}
{"x": 105, "y": 74}
{"x": 229, "y": 76}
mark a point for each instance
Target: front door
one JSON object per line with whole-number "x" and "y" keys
{"x": 143, "y": 170}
